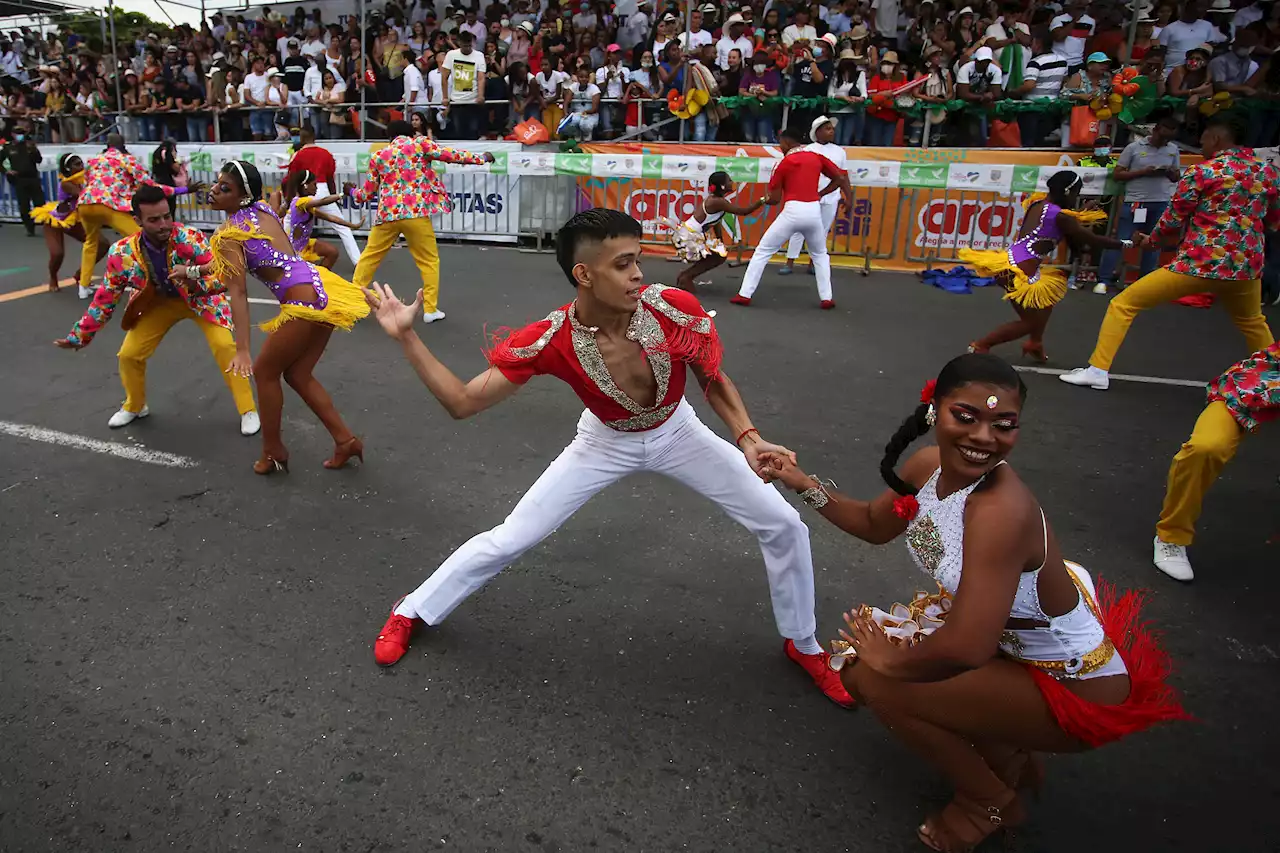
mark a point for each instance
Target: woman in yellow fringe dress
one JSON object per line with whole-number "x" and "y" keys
{"x": 1032, "y": 287}
{"x": 254, "y": 240}
{"x": 297, "y": 206}
{"x": 60, "y": 218}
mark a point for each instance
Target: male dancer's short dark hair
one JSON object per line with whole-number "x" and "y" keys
{"x": 399, "y": 127}
{"x": 591, "y": 226}
{"x": 791, "y": 133}
{"x": 147, "y": 194}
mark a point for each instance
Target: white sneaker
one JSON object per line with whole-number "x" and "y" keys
{"x": 1090, "y": 377}
{"x": 1172, "y": 560}
{"x": 249, "y": 423}
{"x": 124, "y": 417}
{"x": 1100, "y": 288}
{"x": 86, "y": 293}
{"x": 432, "y": 316}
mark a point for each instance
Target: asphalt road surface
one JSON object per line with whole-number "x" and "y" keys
{"x": 185, "y": 653}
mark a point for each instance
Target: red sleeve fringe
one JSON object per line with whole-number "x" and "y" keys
{"x": 502, "y": 344}
{"x": 1151, "y": 700}
{"x": 702, "y": 349}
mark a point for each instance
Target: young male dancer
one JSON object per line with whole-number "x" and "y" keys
{"x": 143, "y": 263}
{"x": 409, "y": 191}
{"x": 823, "y": 134}
{"x": 623, "y": 347}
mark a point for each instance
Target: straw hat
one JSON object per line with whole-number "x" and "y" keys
{"x": 817, "y": 123}
{"x": 859, "y": 32}
{"x": 890, "y": 57}
{"x": 847, "y": 53}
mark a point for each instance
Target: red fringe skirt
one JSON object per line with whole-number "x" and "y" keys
{"x": 1150, "y": 701}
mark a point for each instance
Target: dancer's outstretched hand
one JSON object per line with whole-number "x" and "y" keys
{"x": 782, "y": 467}
{"x": 394, "y": 316}
{"x": 241, "y": 365}
{"x": 756, "y": 451}
{"x": 869, "y": 640}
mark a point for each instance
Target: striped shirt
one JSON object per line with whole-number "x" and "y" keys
{"x": 1048, "y": 70}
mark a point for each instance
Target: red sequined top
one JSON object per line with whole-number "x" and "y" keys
{"x": 669, "y": 323}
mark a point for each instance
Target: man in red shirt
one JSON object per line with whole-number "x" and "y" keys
{"x": 320, "y": 163}
{"x": 795, "y": 184}
{"x": 623, "y": 347}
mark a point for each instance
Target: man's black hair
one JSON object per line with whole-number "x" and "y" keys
{"x": 591, "y": 226}
{"x": 791, "y": 133}
{"x": 148, "y": 194}
{"x": 399, "y": 127}
{"x": 1231, "y": 121}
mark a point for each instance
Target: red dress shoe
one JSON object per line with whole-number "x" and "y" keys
{"x": 393, "y": 639}
{"x": 741, "y": 300}
{"x": 828, "y": 304}
{"x": 823, "y": 675}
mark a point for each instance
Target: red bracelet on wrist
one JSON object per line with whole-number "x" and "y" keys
{"x": 745, "y": 433}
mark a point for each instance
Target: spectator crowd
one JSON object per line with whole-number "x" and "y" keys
{"x": 890, "y": 71}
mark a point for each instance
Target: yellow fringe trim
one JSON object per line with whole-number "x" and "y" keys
{"x": 309, "y": 252}
{"x": 222, "y": 267}
{"x": 346, "y": 306}
{"x": 1088, "y": 218}
{"x": 1045, "y": 292}
{"x": 43, "y": 215}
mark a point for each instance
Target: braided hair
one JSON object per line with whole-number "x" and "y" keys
{"x": 960, "y": 371}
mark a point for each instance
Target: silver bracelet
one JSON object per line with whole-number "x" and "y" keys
{"x": 1128, "y": 244}
{"x": 817, "y": 495}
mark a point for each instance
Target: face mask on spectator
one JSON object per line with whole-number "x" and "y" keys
{"x": 297, "y": 140}
{"x": 886, "y": 70}
{"x": 506, "y": 22}
{"x": 18, "y": 137}
{"x": 646, "y": 63}
{"x": 1101, "y": 152}
{"x": 760, "y": 68}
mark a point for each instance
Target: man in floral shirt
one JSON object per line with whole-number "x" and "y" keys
{"x": 143, "y": 264}
{"x": 408, "y": 191}
{"x": 1240, "y": 400}
{"x": 1219, "y": 212}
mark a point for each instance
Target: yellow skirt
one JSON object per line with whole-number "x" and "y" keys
{"x": 309, "y": 252}
{"x": 346, "y": 306}
{"x": 1044, "y": 291}
{"x": 46, "y": 214}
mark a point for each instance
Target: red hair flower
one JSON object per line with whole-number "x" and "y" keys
{"x": 926, "y": 393}
{"x": 906, "y": 507}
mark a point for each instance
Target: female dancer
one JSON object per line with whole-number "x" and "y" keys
{"x": 1032, "y": 287}
{"x": 169, "y": 169}
{"x": 313, "y": 302}
{"x": 1023, "y": 654}
{"x": 700, "y": 239}
{"x": 59, "y": 217}
{"x": 298, "y": 207}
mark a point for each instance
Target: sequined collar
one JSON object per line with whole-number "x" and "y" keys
{"x": 645, "y": 330}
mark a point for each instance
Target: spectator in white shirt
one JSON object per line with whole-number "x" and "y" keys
{"x": 312, "y": 82}
{"x": 733, "y": 39}
{"x": 1257, "y": 11}
{"x": 415, "y": 85}
{"x": 666, "y": 31}
{"x": 477, "y": 29}
{"x": 886, "y": 18}
{"x": 1006, "y": 32}
{"x": 613, "y": 78}
{"x": 698, "y": 37}
{"x": 313, "y": 46}
{"x": 978, "y": 82}
{"x": 1190, "y": 30}
{"x": 1043, "y": 78}
{"x": 1071, "y": 30}
{"x": 635, "y": 28}
{"x": 801, "y": 30}
{"x": 582, "y": 100}
{"x": 550, "y": 82}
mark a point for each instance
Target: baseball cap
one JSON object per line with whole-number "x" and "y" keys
{"x": 291, "y": 43}
{"x": 983, "y": 53}
{"x": 218, "y": 55}
{"x": 1096, "y": 56}
{"x": 669, "y": 18}
{"x": 614, "y": 48}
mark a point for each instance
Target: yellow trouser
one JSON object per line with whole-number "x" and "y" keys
{"x": 551, "y": 118}
{"x": 141, "y": 341}
{"x": 1212, "y": 444}
{"x": 1242, "y": 299}
{"x": 94, "y": 217}
{"x": 421, "y": 238}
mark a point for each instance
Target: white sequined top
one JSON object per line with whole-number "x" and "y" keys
{"x": 1072, "y": 645}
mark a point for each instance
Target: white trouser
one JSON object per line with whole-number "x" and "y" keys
{"x": 797, "y": 217}
{"x": 683, "y": 449}
{"x": 829, "y": 203}
{"x": 344, "y": 233}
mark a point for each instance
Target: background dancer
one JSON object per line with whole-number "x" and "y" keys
{"x": 795, "y": 184}
{"x": 110, "y": 180}
{"x": 647, "y": 337}
{"x": 60, "y": 218}
{"x": 1033, "y": 288}
{"x": 700, "y": 239}
{"x": 1220, "y": 212}
{"x": 299, "y": 208}
{"x": 1243, "y": 398}
{"x": 254, "y": 240}
{"x": 319, "y": 162}
{"x": 155, "y": 265}
{"x": 823, "y": 134}
{"x": 409, "y": 191}
{"x": 1024, "y": 654}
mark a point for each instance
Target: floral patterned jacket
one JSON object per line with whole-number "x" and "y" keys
{"x": 1219, "y": 210}
{"x": 1251, "y": 388}
{"x": 111, "y": 179}
{"x": 127, "y": 269}
{"x": 406, "y": 185}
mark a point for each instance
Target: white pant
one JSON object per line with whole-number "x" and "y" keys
{"x": 829, "y": 204}
{"x": 344, "y": 233}
{"x": 683, "y": 449}
{"x": 797, "y": 217}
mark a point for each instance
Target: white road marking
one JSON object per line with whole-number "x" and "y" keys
{"x": 256, "y": 301}
{"x": 79, "y": 442}
{"x": 1126, "y": 377}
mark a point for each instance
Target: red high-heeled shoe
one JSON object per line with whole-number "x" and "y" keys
{"x": 342, "y": 452}
{"x": 1034, "y": 352}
